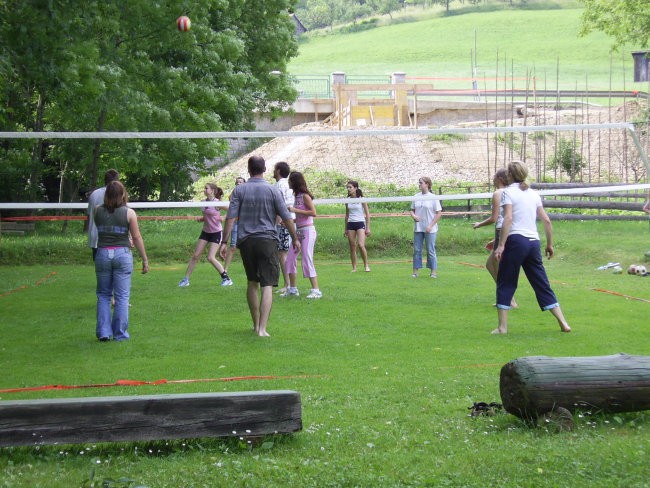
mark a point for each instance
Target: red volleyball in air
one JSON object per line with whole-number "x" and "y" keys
{"x": 183, "y": 23}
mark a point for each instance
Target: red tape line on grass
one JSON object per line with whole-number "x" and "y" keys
{"x": 472, "y": 265}
{"x": 22, "y": 287}
{"x": 157, "y": 382}
{"x": 620, "y": 294}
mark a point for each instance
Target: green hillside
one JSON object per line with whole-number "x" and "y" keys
{"x": 522, "y": 40}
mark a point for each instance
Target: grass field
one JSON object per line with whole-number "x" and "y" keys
{"x": 386, "y": 365}
{"x": 534, "y": 41}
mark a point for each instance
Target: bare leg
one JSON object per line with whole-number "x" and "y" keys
{"x": 200, "y": 246}
{"x": 212, "y": 252}
{"x": 265, "y": 310}
{"x": 252, "y": 297}
{"x": 314, "y": 283}
{"x": 361, "y": 237}
{"x": 353, "y": 249}
{"x": 557, "y": 313}
{"x": 283, "y": 261}
{"x": 503, "y": 321}
{"x": 229, "y": 255}
{"x": 292, "y": 280}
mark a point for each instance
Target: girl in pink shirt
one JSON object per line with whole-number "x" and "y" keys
{"x": 210, "y": 236}
{"x": 305, "y": 212}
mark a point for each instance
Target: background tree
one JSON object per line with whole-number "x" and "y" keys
{"x": 123, "y": 66}
{"x": 626, "y": 21}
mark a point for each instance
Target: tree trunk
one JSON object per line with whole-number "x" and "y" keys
{"x": 533, "y": 386}
{"x": 37, "y": 151}
{"x": 96, "y": 149}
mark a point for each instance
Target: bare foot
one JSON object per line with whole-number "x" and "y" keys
{"x": 354, "y": 270}
{"x": 263, "y": 333}
{"x": 367, "y": 269}
{"x": 499, "y": 331}
{"x": 565, "y": 328}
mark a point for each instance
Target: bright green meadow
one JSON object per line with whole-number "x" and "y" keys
{"x": 386, "y": 365}
{"x": 543, "y": 42}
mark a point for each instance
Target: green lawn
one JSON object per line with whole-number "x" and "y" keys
{"x": 386, "y": 365}
{"x": 534, "y": 41}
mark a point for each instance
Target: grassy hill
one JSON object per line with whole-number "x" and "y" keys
{"x": 522, "y": 40}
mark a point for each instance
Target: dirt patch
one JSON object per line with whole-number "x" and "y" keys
{"x": 401, "y": 159}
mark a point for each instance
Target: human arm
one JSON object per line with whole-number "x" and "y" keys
{"x": 345, "y": 222}
{"x": 134, "y": 230}
{"x": 366, "y": 213}
{"x": 435, "y": 220}
{"x": 548, "y": 230}
{"x": 505, "y": 230}
{"x": 225, "y": 237}
{"x": 437, "y": 209}
{"x": 310, "y": 209}
{"x": 291, "y": 227}
{"x": 496, "y": 200}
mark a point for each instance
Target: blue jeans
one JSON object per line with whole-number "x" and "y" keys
{"x": 523, "y": 252}
{"x": 113, "y": 268}
{"x": 418, "y": 239}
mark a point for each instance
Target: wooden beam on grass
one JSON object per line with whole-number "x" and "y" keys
{"x": 149, "y": 417}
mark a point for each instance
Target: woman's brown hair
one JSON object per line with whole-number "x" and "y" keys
{"x": 517, "y": 173}
{"x": 115, "y": 196}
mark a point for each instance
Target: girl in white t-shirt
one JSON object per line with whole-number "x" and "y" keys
{"x": 357, "y": 225}
{"x": 425, "y": 213}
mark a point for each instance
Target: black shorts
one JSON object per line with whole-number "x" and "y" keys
{"x": 261, "y": 260}
{"x": 211, "y": 237}
{"x": 355, "y": 226}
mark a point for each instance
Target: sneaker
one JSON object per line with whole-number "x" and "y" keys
{"x": 226, "y": 282}
{"x": 414, "y": 275}
{"x": 184, "y": 282}
{"x": 291, "y": 292}
{"x": 433, "y": 275}
{"x": 315, "y": 294}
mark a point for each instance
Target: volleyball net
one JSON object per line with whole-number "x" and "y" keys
{"x": 604, "y": 160}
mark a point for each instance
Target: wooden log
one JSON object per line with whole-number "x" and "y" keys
{"x": 149, "y": 417}
{"x": 532, "y": 386}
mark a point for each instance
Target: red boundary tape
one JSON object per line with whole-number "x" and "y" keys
{"x": 615, "y": 293}
{"x": 22, "y": 287}
{"x": 157, "y": 382}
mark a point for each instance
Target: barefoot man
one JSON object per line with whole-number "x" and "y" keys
{"x": 256, "y": 204}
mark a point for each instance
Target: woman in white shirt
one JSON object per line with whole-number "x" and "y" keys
{"x": 357, "y": 225}
{"x": 425, "y": 213}
{"x": 519, "y": 247}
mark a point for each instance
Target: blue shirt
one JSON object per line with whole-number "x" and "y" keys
{"x": 256, "y": 204}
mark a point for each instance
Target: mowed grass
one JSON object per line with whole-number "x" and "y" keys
{"x": 507, "y": 42}
{"x": 386, "y": 365}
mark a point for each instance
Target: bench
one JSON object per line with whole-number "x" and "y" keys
{"x": 149, "y": 417}
{"x": 16, "y": 228}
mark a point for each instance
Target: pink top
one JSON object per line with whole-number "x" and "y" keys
{"x": 302, "y": 220}
{"x": 211, "y": 219}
